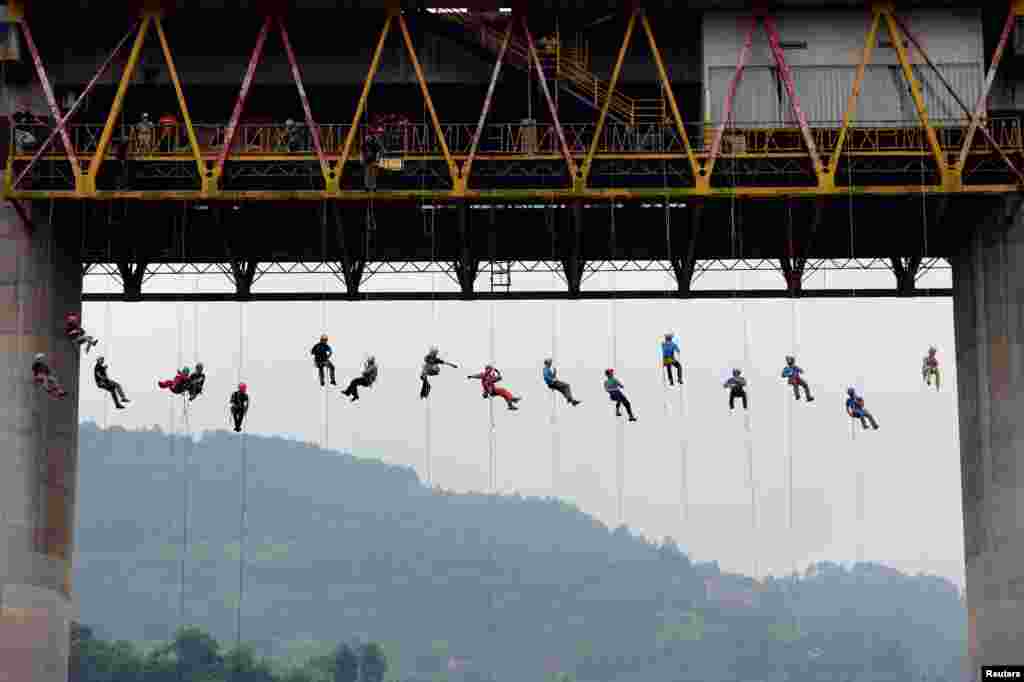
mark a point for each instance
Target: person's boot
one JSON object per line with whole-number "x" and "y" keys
{"x": 632, "y": 418}
{"x": 516, "y": 400}
{"x": 574, "y": 403}
{"x": 512, "y": 407}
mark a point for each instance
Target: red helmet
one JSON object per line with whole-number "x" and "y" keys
{"x": 71, "y": 316}
{"x": 609, "y": 372}
{"x": 242, "y": 387}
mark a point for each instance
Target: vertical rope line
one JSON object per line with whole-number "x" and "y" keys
{"x": 243, "y": 521}
{"x": 107, "y": 354}
{"x": 433, "y": 332}
{"x": 325, "y": 442}
{"x": 492, "y": 436}
{"x": 556, "y": 454}
{"x": 613, "y": 352}
{"x": 184, "y": 480}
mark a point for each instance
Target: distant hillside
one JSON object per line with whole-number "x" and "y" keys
{"x": 341, "y": 548}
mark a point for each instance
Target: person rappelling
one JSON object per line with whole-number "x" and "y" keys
{"x": 45, "y": 378}
{"x": 737, "y": 389}
{"x": 431, "y": 368}
{"x": 239, "y": 405}
{"x": 553, "y": 383}
{"x": 614, "y": 388}
{"x": 930, "y": 368}
{"x": 489, "y": 379}
{"x": 105, "y": 383}
{"x": 855, "y": 408}
{"x": 669, "y": 351}
{"x": 196, "y": 382}
{"x": 322, "y": 359}
{"x": 73, "y": 330}
{"x": 794, "y": 374}
{"x": 365, "y": 380}
{"x": 179, "y": 384}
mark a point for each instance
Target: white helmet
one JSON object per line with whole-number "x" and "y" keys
{"x": 40, "y": 356}
{"x": 433, "y": 350}
{"x": 99, "y": 360}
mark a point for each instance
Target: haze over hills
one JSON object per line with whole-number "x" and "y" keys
{"x": 341, "y": 547}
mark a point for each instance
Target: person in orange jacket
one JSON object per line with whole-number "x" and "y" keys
{"x": 489, "y": 379}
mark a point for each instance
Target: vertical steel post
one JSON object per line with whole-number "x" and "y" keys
{"x": 88, "y": 183}
{"x": 581, "y": 180}
{"x": 915, "y": 91}
{"x": 851, "y": 103}
{"x": 361, "y": 105}
{"x": 44, "y": 81}
{"x": 468, "y": 164}
{"x": 551, "y": 105}
{"x": 667, "y": 85}
{"x": 794, "y": 98}
{"x": 182, "y": 104}
{"x": 62, "y": 122}
{"x": 329, "y": 177}
{"x": 741, "y": 62}
{"x": 229, "y": 134}
{"x": 453, "y": 171}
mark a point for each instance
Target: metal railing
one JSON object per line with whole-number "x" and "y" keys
{"x": 740, "y": 140}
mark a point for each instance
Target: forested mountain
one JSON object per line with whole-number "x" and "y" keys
{"x": 341, "y": 548}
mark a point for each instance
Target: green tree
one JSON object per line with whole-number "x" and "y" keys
{"x": 346, "y": 664}
{"x": 242, "y": 665}
{"x": 372, "y": 663}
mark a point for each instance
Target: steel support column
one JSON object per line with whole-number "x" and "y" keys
{"x": 87, "y": 183}
{"x": 132, "y": 276}
{"x": 243, "y": 272}
{"x": 797, "y": 250}
{"x": 704, "y": 180}
{"x": 468, "y": 163}
{"x": 851, "y": 104}
{"x": 353, "y": 263}
{"x": 205, "y": 182}
{"x": 361, "y": 104}
{"x": 572, "y": 257}
{"x": 466, "y": 264}
{"x": 905, "y": 270}
{"x": 683, "y": 266}
{"x": 330, "y": 179}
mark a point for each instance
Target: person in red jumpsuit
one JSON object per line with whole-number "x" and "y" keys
{"x": 489, "y": 379}
{"x": 73, "y": 330}
{"x": 179, "y": 383}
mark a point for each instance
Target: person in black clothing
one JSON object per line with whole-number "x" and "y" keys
{"x": 366, "y": 380}
{"x": 431, "y": 368}
{"x": 43, "y": 376}
{"x": 322, "y": 358}
{"x": 737, "y": 386}
{"x": 105, "y": 383}
{"x": 196, "y": 381}
{"x": 239, "y": 405}
{"x": 24, "y": 122}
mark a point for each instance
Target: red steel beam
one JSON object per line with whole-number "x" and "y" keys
{"x": 229, "y": 134}
{"x": 952, "y": 91}
{"x": 297, "y": 76}
{"x": 573, "y": 172}
{"x": 741, "y": 62}
{"x": 44, "y": 80}
{"x": 794, "y": 98}
{"x": 61, "y": 122}
{"x": 468, "y": 165}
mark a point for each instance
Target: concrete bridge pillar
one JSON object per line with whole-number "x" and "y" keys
{"x": 988, "y": 295}
{"x": 39, "y": 282}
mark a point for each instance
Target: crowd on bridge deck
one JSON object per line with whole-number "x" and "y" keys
{"x": 191, "y": 383}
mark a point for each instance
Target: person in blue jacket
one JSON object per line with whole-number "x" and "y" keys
{"x": 322, "y": 359}
{"x": 855, "y": 408}
{"x": 794, "y": 374}
{"x": 669, "y": 350}
{"x": 614, "y": 388}
{"x": 551, "y": 379}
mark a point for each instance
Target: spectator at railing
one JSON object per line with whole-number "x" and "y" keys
{"x": 145, "y": 135}
{"x": 168, "y": 133}
{"x": 26, "y": 127}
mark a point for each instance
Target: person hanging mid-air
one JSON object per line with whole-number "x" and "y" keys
{"x": 105, "y": 383}
{"x": 614, "y": 388}
{"x": 737, "y": 386}
{"x": 366, "y": 380}
{"x": 489, "y": 379}
{"x": 239, "y": 406}
{"x": 930, "y": 368}
{"x": 669, "y": 350}
{"x": 196, "y": 381}
{"x": 794, "y": 373}
{"x": 551, "y": 379}
{"x": 855, "y": 408}
{"x": 44, "y": 377}
{"x": 322, "y": 359}
{"x": 179, "y": 384}
{"x": 73, "y": 330}
{"x": 431, "y": 368}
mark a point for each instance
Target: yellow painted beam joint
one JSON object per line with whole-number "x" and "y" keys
{"x": 16, "y": 9}
{"x": 886, "y": 6}
{"x": 1018, "y": 8}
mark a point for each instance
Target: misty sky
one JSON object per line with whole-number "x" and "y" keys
{"x": 911, "y": 466}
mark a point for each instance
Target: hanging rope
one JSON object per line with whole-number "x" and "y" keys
{"x": 684, "y": 495}
{"x": 325, "y": 442}
{"x": 613, "y": 354}
{"x": 556, "y": 440}
{"x": 108, "y": 353}
{"x": 243, "y": 521}
{"x": 431, "y": 225}
{"x": 492, "y": 439}
{"x": 185, "y": 478}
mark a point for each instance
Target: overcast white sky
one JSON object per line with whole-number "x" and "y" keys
{"x": 911, "y": 466}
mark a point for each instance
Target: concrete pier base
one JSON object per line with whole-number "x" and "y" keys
{"x": 988, "y": 295}
{"x": 39, "y": 283}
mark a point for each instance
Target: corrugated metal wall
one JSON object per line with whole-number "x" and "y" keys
{"x": 756, "y": 104}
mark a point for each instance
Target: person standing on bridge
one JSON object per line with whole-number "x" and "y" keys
{"x": 489, "y": 379}
{"x": 614, "y": 388}
{"x": 43, "y": 376}
{"x": 239, "y": 406}
{"x": 73, "y": 330}
{"x": 930, "y": 367}
{"x": 365, "y": 380}
{"x": 105, "y": 383}
{"x": 322, "y": 359}
{"x": 431, "y": 368}
{"x": 794, "y": 374}
{"x": 855, "y": 408}
{"x": 669, "y": 351}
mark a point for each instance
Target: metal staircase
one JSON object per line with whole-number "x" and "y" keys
{"x": 570, "y": 66}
